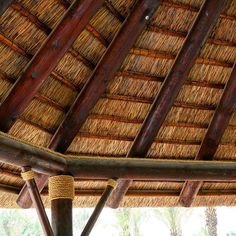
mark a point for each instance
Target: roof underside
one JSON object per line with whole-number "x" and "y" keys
{"x": 117, "y": 117}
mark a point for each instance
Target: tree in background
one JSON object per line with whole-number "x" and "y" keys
{"x": 16, "y": 223}
{"x": 80, "y": 219}
{"x": 172, "y": 218}
{"x": 129, "y": 221}
{"x": 211, "y": 221}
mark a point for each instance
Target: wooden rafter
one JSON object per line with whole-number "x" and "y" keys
{"x": 213, "y": 136}
{"x": 165, "y": 99}
{"x": 96, "y": 85}
{"x": 59, "y": 41}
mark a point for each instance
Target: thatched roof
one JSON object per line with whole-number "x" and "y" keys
{"x": 118, "y": 115}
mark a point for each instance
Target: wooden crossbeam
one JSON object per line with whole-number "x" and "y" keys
{"x": 97, "y": 83}
{"x": 46, "y": 59}
{"x": 4, "y": 4}
{"x": 45, "y": 161}
{"x": 213, "y": 136}
{"x": 164, "y": 100}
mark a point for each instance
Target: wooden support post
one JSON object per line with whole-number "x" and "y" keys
{"x": 165, "y": 99}
{"x": 61, "y": 194}
{"x": 98, "y": 209}
{"x": 62, "y": 217}
{"x": 4, "y": 4}
{"x": 28, "y": 176}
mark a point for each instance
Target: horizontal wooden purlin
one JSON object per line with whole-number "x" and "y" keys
{"x": 127, "y": 98}
{"x": 24, "y": 12}
{"x": 45, "y": 161}
{"x": 10, "y": 174}
{"x": 82, "y": 59}
{"x": 64, "y": 81}
{"x": 168, "y": 56}
{"x": 42, "y": 26}
{"x": 152, "y": 193}
{"x": 146, "y": 77}
{"x": 9, "y": 188}
{"x": 158, "y": 141}
{"x": 166, "y": 31}
{"x": 20, "y": 51}
{"x": 97, "y": 35}
{"x": 188, "y": 7}
{"x": 14, "y": 47}
{"x": 134, "y": 75}
{"x": 130, "y": 139}
{"x": 88, "y": 27}
{"x": 131, "y": 193}
{"x": 50, "y": 102}
{"x": 114, "y": 11}
{"x": 140, "y": 121}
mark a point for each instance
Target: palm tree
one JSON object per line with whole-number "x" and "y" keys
{"x": 211, "y": 221}
{"x": 172, "y": 217}
{"x": 129, "y": 221}
{"x": 123, "y": 216}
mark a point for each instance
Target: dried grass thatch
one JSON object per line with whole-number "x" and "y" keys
{"x": 117, "y": 117}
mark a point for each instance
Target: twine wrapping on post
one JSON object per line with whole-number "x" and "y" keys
{"x": 61, "y": 187}
{"x": 27, "y": 175}
{"x": 112, "y": 183}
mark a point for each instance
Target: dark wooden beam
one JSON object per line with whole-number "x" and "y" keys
{"x": 58, "y": 42}
{"x": 213, "y": 136}
{"x": 21, "y": 154}
{"x": 38, "y": 204}
{"x": 51, "y": 163}
{"x": 165, "y": 99}
{"x": 104, "y": 72}
{"x": 97, "y": 211}
{"x": 62, "y": 217}
{"x": 4, "y": 4}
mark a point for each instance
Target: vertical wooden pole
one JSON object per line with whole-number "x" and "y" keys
{"x": 61, "y": 194}
{"x": 62, "y": 217}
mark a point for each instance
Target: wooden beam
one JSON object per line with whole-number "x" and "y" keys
{"x": 38, "y": 204}
{"x": 213, "y": 136}
{"x": 46, "y": 161}
{"x": 4, "y": 4}
{"x": 165, "y": 99}
{"x": 96, "y": 85}
{"x": 58, "y": 42}
{"x": 104, "y": 72}
{"x": 97, "y": 211}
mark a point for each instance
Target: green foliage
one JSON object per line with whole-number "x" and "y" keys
{"x": 16, "y": 223}
{"x": 172, "y": 218}
{"x": 129, "y": 221}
